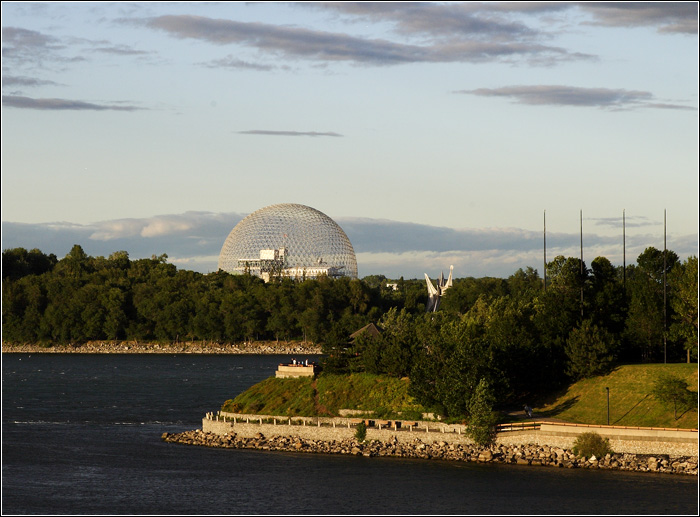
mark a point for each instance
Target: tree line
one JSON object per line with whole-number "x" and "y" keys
{"x": 502, "y": 338}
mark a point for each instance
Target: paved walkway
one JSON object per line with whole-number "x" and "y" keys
{"x": 519, "y": 415}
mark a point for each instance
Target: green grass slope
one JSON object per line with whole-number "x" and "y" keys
{"x": 631, "y": 399}
{"x": 326, "y": 395}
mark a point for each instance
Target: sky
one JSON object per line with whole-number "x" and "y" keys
{"x": 434, "y": 134}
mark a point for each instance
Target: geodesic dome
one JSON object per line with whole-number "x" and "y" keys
{"x": 296, "y": 238}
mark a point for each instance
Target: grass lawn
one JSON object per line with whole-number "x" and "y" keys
{"x": 631, "y": 401}
{"x": 585, "y": 402}
{"x": 326, "y": 395}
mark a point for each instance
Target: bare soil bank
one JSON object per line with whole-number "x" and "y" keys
{"x": 195, "y": 347}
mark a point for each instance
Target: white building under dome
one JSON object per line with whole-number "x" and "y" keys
{"x": 288, "y": 240}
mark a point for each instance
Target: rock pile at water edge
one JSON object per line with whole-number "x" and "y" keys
{"x": 533, "y": 455}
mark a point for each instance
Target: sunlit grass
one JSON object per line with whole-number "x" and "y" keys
{"x": 325, "y": 396}
{"x": 631, "y": 399}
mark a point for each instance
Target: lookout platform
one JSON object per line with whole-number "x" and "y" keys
{"x": 297, "y": 370}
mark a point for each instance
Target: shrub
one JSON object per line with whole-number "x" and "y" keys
{"x": 231, "y": 407}
{"x": 592, "y": 444}
{"x": 361, "y": 432}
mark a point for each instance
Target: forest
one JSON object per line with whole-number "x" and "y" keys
{"x": 501, "y": 338}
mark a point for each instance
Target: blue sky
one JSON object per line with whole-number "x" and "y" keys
{"x": 433, "y": 133}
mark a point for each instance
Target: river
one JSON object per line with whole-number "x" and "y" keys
{"x": 81, "y": 434}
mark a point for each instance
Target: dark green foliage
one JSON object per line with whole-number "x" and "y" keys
{"x": 361, "y": 432}
{"x": 644, "y": 326}
{"x": 673, "y": 391}
{"x": 81, "y": 298}
{"x": 482, "y": 419}
{"x": 591, "y": 444}
{"x": 518, "y": 337}
{"x": 19, "y": 262}
{"x": 684, "y": 302}
{"x": 591, "y": 351}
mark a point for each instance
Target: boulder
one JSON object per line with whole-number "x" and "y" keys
{"x": 486, "y": 455}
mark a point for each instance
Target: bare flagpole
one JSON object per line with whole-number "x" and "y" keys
{"x": 581, "y": 265}
{"x": 545, "y": 248}
{"x": 664, "y": 286}
{"x": 624, "y": 265}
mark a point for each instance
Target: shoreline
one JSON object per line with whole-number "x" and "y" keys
{"x": 185, "y": 347}
{"x": 525, "y": 454}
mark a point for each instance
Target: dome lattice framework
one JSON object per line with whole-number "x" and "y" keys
{"x": 293, "y": 240}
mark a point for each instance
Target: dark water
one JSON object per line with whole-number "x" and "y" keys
{"x": 81, "y": 435}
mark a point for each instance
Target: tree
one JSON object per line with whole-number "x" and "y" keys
{"x": 673, "y": 390}
{"x": 607, "y": 305}
{"x": 19, "y": 262}
{"x": 684, "y": 302}
{"x": 590, "y": 350}
{"x": 482, "y": 419}
{"x": 524, "y": 283}
{"x": 644, "y": 326}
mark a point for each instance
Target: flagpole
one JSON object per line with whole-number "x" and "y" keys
{"x": 664, "y": 286}
{"x": 581, "y": 265}
{"x": 624, "y": 265}
{"x": 545, "y": 249}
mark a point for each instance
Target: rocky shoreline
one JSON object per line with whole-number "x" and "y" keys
{"x": 196, "y": 347}
{"x": 513, "y": 454}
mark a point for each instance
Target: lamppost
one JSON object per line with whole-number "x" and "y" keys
{"x": 607, "y": 390}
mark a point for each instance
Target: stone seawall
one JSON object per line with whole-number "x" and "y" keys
{"x": 335, "y": 441}
{"x": 434, "y": 440}
{"x": 622, "y": 440}
{"x": 196, "y": 347}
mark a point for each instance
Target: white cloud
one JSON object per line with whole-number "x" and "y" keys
{"x": 193, "y": 240}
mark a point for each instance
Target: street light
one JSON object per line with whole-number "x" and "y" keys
{"x": 608, "y": 393}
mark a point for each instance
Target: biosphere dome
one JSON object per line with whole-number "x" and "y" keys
{"x": 289, "y": 240}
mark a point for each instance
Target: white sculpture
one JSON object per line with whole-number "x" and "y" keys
{"x": 435, "y": 293}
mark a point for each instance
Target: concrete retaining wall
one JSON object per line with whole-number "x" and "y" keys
{"x": 623, "y": 440}
{"x": 327, "y": 432}
{"x": 622, "y": 433}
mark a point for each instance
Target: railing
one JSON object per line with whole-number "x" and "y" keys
{"x": 518, "y": 426}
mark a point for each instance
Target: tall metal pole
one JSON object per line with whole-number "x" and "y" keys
{"x": 664, "y": 286}
{"x": 545, "y": 249}
{"x": 624, "y": 265}
{"x": 581, "y": 265}
{"x": 608, "y": 393}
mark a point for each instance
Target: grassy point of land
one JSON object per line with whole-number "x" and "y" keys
{"x": 326, "y": 395}
{"x": 631, "y": 400}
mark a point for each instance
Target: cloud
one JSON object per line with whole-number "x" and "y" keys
{"x": 193, "y": 240}
{"x": 10, "y": 80}
{"x": 14, "y": 101}
{"x": 667, "y": 17}
{"x": 437, "y": 20}
{"x": 234, "y": 63}
{"x": 301, "y": 43}
{"x": 267, "y": 132}
{"x": 616, "y": 222}
{"x": 24, "y": 48}
{"x": 562, "y": 95}
{"x": 173, "y": 225}
{"x": 120, "y": 50}
{"x": 20, "y": 43}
